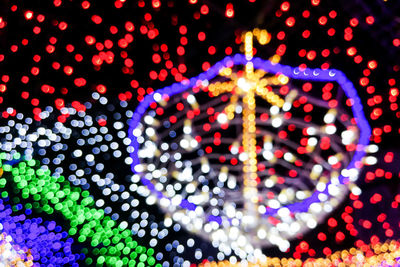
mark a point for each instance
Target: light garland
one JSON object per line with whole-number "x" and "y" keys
{"x": 386, "y": 254}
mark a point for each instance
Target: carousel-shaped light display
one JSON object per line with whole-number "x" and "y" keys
{"x": 251, "y": 153}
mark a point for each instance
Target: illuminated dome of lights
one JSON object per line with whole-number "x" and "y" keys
{"x": 199, "y": 133}
{"x": 232, "y": 159}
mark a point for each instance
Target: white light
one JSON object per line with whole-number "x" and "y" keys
{"x": 371, "y": 160}
{"x": 151, "y": 200}
{"x": 205, "y": 168}
{"x": 274, "y": 110}
{"x": 148, "y": 119}
{"x": 276, "y": 122}
{"x": 333, "y": 190}
{"x": 347, "y": 137}
{"x": 157, "y": 97}
{"x": 268, "y": 155}
{"x": 300, "y": 195}
{"x": 286, "y": 106}
{"x": 262, "y": 209}
{"x": 243, "y": 156}
{"x": 184, "y": 143}
{"x": 311, "y": 223}
{"x": 78, "y": 153}
{"x": 332, "y": 160}
{"x": 222, "y": 118}
{"x": 150, "y": 132}
{"x": 137, "y": 132}
{"x": 243, "y": 84}
{"x": 273, "y": 203}
{"x": 294, "y": 227}
{"x": 372, "y": 148}
{"x": 167, "y": 222}
{"x": 356, "y": 190}
{"x": 89, "y": 158}
{"x": 234, "y": 149}
{"x": 317, "y": 168}
{"x": 261, "y": 233}
{"x": 283, "y": 212}
{"x": 330, "y": 129}
{"x": 193, "y": 143}
{"x": 321, "y": 186}
{"x": 288, "y": 156}
{"x": 329, "y": 118}
{"x": 187, "y": 130}
{"x": 269, "y": 183}
{"x": 191, "y": 99}
{"x": 311, "y": 131}
{"x": 283, "y": 245}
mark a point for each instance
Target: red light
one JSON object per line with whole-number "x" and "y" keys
{"x": 306, "y": 14}
{"x": 332, "y": 14}
{"x": 325, "y": 53}
{"x": 353, "y": 22}
{"x": 327, "y": 251}
{"x": 358, "y": 59}
{"x": 68, "y": 70}
{"x": 156, "y": 3}
{"x": 364, "y": 81}
{"x": 85, "y": 4}
{"x": 97, "y": 19}
{"x": 389, "y": 157}
{"x": 315, "y": 2}
{"x": 340, "y": 236}
{"x": 331, "y": 32}
{"x": 28, "y": 15}
{"x": 180, "y": 50}
{"x": 79, "y": 82}
{"x": 370, "y": 20}
{"x": 211, "y": 50}
{"x": 372, "y": 64}
{"x": 147, "y": 17}
{"x": 290, "y": 21}
{"x": 201, "y": 36}
{"x": 322, "y": 20}
{"x": 204, "y": 9}
{"x": 129, "y": 26}
{"x": 36, "y": 30}
{"x": 183, "y": 29}
{"x": 306, "y": 34}
{"x": 285, "y": 6}
{"x": 280, "y": 50}
{"x": 394, "y": 92}
{"x": 281, "y": 35}
{"x": 229, "y": 13}
{"x": 311, "y": 55}
{"x": 62, "y": 26}
{"x": 332, "y": 222}
{"x": 351, "y": 51}
{"x": 205, "y": 66}
{"x": 90, "y": 40}
{"x": 321, "y": 236}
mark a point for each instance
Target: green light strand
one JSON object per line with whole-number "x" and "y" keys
{"x": 55, "y": 194}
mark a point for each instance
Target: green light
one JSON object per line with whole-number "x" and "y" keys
{"x": 55, "y": 194}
